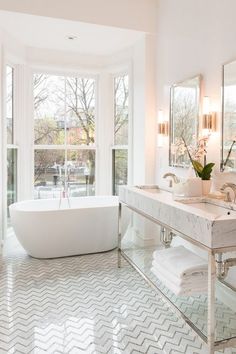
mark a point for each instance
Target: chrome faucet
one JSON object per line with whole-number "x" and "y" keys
{"x": 232, "y": 186}
{"x": 174, "y": 179}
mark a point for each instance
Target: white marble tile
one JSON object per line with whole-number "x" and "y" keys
{"x": 85, "y": 305}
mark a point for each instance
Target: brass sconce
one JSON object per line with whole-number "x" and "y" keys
{"x": 208, "y": 117}
{"x": 163, "y": 125}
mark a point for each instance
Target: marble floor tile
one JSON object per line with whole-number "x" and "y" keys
{"x": 85, "y": 304}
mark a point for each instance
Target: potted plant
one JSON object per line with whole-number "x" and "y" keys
{"x": 202, "y": 170}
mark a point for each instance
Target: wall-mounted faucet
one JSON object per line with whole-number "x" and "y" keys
{"x": 232, "y": 186}
{"x": 174, "y": 178}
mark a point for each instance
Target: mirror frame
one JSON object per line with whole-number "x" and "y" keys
{"x": 222, "y": 117}
{"x": 222, "y": 160}
{"x": 199, "y": 77}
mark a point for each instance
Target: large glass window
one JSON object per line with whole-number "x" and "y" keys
{"x": 120, "y": 170}
{"x": 121, "y": 130}
{"x": 81, "y": 172}
{"x": 64, "y": 135}
{"x": 11, "y": 176}
{"x": 49, "y": 110}
{"x": 11, "y": 158}
{"x": 9, "y": 104}
{"x": 80, "y": 99}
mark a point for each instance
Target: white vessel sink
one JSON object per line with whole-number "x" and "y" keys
{"x": 212, "y": 225}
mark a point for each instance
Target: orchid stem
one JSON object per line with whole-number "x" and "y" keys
{"x": 189, "y": 155}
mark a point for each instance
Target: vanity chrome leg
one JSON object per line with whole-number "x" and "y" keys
{"x": 211, "y": 303}
{"x": 119, "y": 235}
{"x": 219, "y": 266}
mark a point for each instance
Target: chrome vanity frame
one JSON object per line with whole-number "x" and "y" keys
{"x": 212, "y": 252}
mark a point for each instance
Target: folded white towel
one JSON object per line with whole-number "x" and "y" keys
{"x": 199, "y": 279}
{"x": 180, "y": 261}
{"x": 179, "y": 290}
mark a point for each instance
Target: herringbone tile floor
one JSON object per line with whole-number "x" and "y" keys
{"x": 85, "y": 305}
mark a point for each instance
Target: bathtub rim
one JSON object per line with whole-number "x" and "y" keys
{"x": 113, "y": 201}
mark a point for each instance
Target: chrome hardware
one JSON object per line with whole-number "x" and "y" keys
{"x": 64, "y": 191}
{"x": 232, "y": 186}
{"x": 222, "y": 267}
{"x": 174, "y": 179}
{"x": 166, "y": 237}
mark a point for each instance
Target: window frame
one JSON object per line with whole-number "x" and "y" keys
{"x": 14, "y": 145}
{"x": 128, "y": 147}
{"x": 65, "y": 146}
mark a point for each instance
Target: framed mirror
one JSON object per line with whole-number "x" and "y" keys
{"x": 228, "y": 148}
{"x": 184, "y": 119}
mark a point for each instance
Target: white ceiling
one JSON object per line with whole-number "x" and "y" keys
{"x": 51, "y": 33}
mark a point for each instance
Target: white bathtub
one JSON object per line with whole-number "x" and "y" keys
{"x": 90, "y": 225}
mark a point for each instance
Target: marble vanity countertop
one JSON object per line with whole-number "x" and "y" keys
{"x": 207, "y": 221}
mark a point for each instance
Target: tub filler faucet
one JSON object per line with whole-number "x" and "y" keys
{"x": 64, "y": 193}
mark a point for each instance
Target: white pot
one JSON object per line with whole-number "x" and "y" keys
{"x": 206, "y": 186}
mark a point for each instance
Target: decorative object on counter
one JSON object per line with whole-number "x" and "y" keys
{"x": 184, "y": 113}
{"x": 180, "y": 270}
{"x": 216, "y": 195}
{"x": 201, "y": 170}
{"x": 191, "y": 187}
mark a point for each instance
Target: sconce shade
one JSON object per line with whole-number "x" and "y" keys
{"x": 163, "y": 128}
{"x": 206, "y": 105}
{"x": 209, "y": 121}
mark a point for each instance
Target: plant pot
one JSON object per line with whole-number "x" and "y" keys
{"x": 206, "y": 186}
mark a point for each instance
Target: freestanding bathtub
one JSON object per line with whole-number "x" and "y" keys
{"x": 89, "y": 225}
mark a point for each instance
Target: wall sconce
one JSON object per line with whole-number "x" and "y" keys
{"x": 208, "y": 117}
{"x": 162, "y": 124}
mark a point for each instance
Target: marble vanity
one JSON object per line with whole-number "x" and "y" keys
{"x": 200, "y": 219}
{"x": 203, "y": 222}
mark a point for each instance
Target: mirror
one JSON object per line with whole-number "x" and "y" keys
{"x": 184, "y": 117}
{"x": 228, "y": 158}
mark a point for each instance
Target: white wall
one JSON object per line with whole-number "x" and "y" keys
{"x": 144, "y": 111}
{"x": 193, "y": 37}
{"x": 1, "y": 147}
{"x": 130, "y": 14}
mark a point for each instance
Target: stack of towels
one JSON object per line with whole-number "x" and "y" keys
{"x": 180, "y": 270}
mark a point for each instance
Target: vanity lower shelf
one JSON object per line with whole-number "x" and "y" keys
{"x": 196, "y": 310}
{"x": 193, "y": 308}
